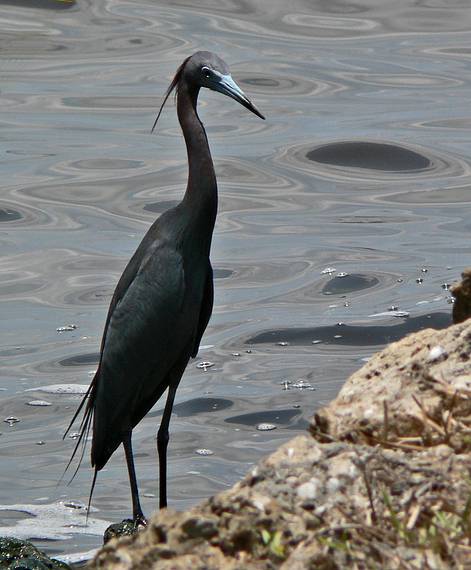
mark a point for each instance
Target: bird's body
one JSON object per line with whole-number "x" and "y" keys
{"x": 152, "y": 331}
{"x": 160, "y": 308}
{"x": 163, "y": 300}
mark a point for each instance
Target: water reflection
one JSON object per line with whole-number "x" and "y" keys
{"x": 264, "y": 84}
{"x": 280, "y": 417}
{"x": 353, "y": 335}
{"x": 81, "y": 360}
{"x": 160, "y": 207}
{"x": 198, "y": 406}
{"x": 349, "y": 284}
{"x": 8, "y": 215}
{"x": 105, "y": 164}
{"x": 222, "y": 273}
{"x": 371, "y": 155}
{"x": 43, "y": 5}
{"x": 452, "y": 195}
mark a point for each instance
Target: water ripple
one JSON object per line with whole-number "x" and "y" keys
{"x": 378, "y": 160}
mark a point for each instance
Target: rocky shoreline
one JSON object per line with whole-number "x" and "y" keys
{"x": 382, "y": 480}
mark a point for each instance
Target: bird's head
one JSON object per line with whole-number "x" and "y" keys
{"x": 206, "y": 69}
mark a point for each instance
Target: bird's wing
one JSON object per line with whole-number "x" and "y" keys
{"x": 206, "y": 309}
{"x": 144, "y": 315}
{"x": 144, "y": 340}
{"x": 124, "y": 282}
{"x": 122, "y": 286}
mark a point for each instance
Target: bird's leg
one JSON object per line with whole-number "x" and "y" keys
{"x": 162, "y": 443}
{"x": 137, "y": 514}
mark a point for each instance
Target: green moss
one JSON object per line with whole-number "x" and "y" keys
{"x": 18, "y": 554}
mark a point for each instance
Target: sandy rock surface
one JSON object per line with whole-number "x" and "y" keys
{"x": 382, "y": 481}
{"x": 416, "y": 392}
{"x": 315, "y": 505}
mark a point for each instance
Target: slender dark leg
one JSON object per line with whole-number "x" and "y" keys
{"x": 162, "y": 443}
{"x": 137, "y": 514}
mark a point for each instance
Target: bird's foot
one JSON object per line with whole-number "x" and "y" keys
{"x": 139, "y": 520}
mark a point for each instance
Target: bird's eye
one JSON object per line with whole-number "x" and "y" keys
{"x": 206, "y": 72}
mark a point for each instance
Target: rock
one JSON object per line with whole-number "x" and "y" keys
{"x": 379, "y": 494}
{"x": 126, "y": 527}
{"x": 27, "y": 564}
{"x": 18, "y": 554}
{"x": 462, "y": 294}
{"x": 416, "y": 392}
{"x": 198, "y": 527}
{"x": 381, "y": 481}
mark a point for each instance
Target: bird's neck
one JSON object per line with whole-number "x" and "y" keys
{"x": 201, "y": 192}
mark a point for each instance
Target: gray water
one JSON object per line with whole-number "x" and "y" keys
{"x": 362, "y": 166}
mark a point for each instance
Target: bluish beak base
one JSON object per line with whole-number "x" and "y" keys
{"x": 227, "y": 86}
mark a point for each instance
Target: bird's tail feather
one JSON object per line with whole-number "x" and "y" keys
{"x": 79, "y": 409}
{"x": 95, "y": 473}
{"x": 84, "y": 428}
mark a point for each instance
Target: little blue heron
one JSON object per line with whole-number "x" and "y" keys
{"x": 164, "y": 298}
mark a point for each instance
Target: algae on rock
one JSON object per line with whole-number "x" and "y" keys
{"x": 16, "y": 554}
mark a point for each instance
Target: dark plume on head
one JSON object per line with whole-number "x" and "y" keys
{"x": 173, "y": 85}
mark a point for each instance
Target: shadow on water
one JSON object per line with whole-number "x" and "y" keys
{"x": 349, "y": 284}
{"x": 222, "y": 273}
{"x": 197, "y": 406}
{"x": 277, "y": 417}
{"x": 88, "y": 359}
{"x": 353, "y": 335}
{"x": 8, "y": 215}
{"x": 43, "y": 4}
{"x": 160, "y": 207}
{"x": 371, "y": 155}
{"x": 260, "y": 82}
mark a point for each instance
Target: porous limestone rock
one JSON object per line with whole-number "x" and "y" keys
{"x": 382, "y": 481}
{"x": 414, "y": 393}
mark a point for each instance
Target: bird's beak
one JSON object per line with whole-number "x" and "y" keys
{"x": 227, "y": 86}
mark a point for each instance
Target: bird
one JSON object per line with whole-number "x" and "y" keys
{"x": 164, "y": 299}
